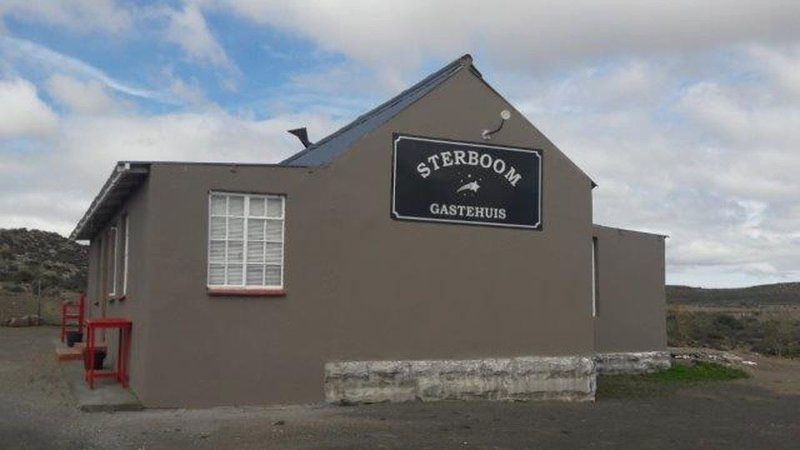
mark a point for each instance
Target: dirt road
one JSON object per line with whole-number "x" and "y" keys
{"x": 36, "y": 411}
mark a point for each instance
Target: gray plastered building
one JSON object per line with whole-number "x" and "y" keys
{"x": 350, "y": 304}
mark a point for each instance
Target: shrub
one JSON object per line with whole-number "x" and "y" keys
{"x": 771, "y": 334}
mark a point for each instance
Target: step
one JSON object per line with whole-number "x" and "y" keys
{"x": 69, "y": 353}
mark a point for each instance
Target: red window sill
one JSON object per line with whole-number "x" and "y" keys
{"x": 228, "y": 292}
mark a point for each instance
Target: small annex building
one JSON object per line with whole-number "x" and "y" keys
{"x": 438, "y": 247}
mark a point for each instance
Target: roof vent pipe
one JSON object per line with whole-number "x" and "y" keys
{"x": 301, "y": 134}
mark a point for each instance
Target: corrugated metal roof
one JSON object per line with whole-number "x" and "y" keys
{"x": 332, "y": 146}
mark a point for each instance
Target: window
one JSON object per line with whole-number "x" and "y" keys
{"x": 125, "y": 241}
{"x": 245, "y": 241}
{"x": 112, "y": 258}
{"x": 595, "y": 279}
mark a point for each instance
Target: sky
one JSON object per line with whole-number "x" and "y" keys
{"x": 686, "y": 113}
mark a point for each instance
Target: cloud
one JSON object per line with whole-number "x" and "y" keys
{"x": 184, "y": 26}
{"x": 51, "y": 184}
{"x": 78, "y": 15}
{"x": 90, "y": 97}
{"x": 521, "y": 35}
{"x": 187, "y": 28}
{"x": 706, "y": 153}
{"x": 22, "y": 112}
{"x": 23, "y": 52}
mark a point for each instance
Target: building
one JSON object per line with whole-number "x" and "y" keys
{"x": 439, "y": 246}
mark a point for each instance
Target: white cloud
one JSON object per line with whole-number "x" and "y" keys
{"x": 525, "y": 34}
{"x": 23, "y": 52}
{"x": 79, "y": 15}
{"x": 704, "y": 153}
{"x": 184, "y": 25}
{"x": 51, "y": 185}
{"x": 22, "y": 112}
{"x": 188, "y": 29}
{"x": 781, "y": 65}
{"x": 88, "y": 97}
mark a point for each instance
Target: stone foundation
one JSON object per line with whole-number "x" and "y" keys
{"x": 524, "y": 378}
{"x": 632, "y": 362}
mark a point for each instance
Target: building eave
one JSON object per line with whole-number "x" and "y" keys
{"x": 123, "y": 181}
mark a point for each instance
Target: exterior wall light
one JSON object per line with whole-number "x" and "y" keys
{"x": 504, "y": 115}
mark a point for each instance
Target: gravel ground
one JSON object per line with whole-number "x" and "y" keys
{"x": 37, "y": 411}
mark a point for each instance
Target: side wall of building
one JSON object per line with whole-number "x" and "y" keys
{"x": 132, "y": 299}
{"x": 360, "y": 285}
{"x": 630, "y": 314}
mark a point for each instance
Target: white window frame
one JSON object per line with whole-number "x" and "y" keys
{"x": 246, "y": 216}
{"x": 126, "y": 224}
{"x": 114, "y": 256}
{"x": 595, "y": 280}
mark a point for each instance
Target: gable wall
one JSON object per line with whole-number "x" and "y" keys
{"x": 360, "y": 285}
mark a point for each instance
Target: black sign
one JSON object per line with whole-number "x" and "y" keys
{"x": 462, "y": 182}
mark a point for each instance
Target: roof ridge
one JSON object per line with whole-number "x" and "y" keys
{"x": 463, "y": 61}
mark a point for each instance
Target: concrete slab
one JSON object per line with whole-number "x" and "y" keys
{"x": 107, "y": 395}
{"x": 68, "y": 354}
{"x": 64, "y": 353}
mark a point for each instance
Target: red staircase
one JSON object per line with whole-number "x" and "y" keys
{"x": 72, "y": 316}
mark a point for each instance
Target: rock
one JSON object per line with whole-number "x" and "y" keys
{"x": 520, "y": 378}
{"x": 24, "y": 321}
{"x": 709, "y": 355}
{"x": 632, "y": 362}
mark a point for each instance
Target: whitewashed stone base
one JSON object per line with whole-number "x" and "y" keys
{"x": 524, "y": 378}
{"x": 632, "y": 362}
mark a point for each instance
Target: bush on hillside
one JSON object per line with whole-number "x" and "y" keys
{"x": 773, "y": 334}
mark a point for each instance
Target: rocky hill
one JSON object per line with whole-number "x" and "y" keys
{"x": 29, "y": 255}
{"x": 762, "y": 295}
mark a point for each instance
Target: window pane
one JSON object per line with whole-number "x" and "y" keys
{"x": 255, "y": 252}
{"x": 235, "y": 228}
{"x": 235, "y": 251}
{"x": 216, "y": 251}
{"x": 257, "y": 206}
{"x": 217, "y": 228}
{"x": 236, "y": 205}
{"x": 235, "y": 275}
{"x": 245, "y": 250}
{"x": 255, "y": 229}
{"x": 255, "y": 274}
{"x": 273, "y": 276}
{"x": 275, "y": 207}
{"x": 216, "y": 274}
{"x": 218, "y": 205}
{"x": 275, "y": 230}
{"x": 274, "y": 253}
